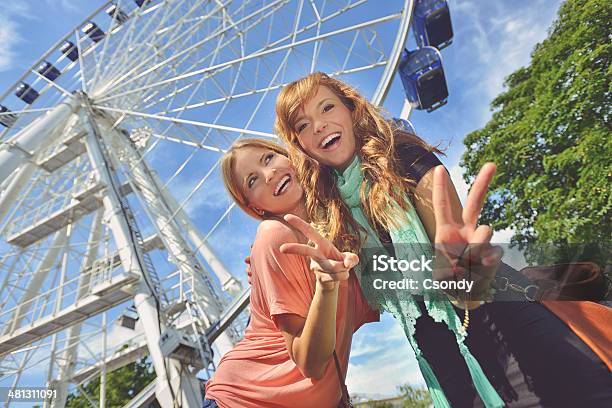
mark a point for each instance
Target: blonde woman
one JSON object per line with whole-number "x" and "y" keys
{"x": 368, "y": 184}
{"x": 304, "y": 310}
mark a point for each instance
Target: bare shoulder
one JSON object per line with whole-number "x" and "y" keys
{"x": 274, "y": 233}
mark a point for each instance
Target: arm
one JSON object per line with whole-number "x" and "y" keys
{"x": 312, "y": 341}
{"x": 423, "y": 203}
{"x": 449, "y": 226}
{"x": 461, "y": 246}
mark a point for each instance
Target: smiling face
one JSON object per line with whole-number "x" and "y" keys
{"x": 268, "y": 181}
{"x": 324, "y": 128}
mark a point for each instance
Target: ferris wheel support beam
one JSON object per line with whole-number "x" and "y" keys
{"x": 169, "y": 231}
{"x": 36, "y": 137}
{"x": 183, "y": 384}
{"x": 394, "y": 57}
{"x": 228, "y": 281}
{"x": 15, "y": 186}
{"x": 406, "y": 110}
{"x": 34, "y": 285}
{"x": 72, "y": 340}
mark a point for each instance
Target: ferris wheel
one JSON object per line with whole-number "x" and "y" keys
{"x": 117, "y": 239}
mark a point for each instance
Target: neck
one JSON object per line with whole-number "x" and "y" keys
{"x": 300, "y": 211}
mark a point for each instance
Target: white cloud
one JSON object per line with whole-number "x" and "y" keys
{"x": 499, "y": 37}
{"x": 9, "y": 32}
{"x": 388, "y": 360}
{"x": 211, "y": 195}
{"x": 66, "y": 4}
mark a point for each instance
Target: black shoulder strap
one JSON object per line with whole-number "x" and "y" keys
{"x": 343, "y": 388}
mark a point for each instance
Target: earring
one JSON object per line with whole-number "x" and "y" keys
{"x": 258, "y": 211}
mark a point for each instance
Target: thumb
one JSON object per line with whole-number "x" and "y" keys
{"x": 350, "y": 259}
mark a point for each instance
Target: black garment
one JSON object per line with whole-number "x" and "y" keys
{"x": 416, "y": 161}
{"x": 531, "y": 357}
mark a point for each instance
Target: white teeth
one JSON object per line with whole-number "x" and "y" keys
{"x": 283, "y": 182}
{"x": 329, "y": 138}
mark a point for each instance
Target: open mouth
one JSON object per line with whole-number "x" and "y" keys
{"x": 283, "y": 185}
{"x": 330, "y": 141}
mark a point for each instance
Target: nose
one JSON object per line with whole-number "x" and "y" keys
{"x": 270, "y": 174}
{"x": 319, "y": 125}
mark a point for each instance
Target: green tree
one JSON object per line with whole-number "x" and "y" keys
{"x": 121, "y": 385}
{"x": 378, "y": 404}
{"x": 550, "y": 135}
{"x": 415, "y": 397}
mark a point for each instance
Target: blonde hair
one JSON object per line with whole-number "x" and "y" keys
{"x": 376, "y": 140}
{"x": 228, "y": 163}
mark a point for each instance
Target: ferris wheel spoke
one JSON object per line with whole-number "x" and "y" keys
{"x": 261, "y": 100}
{"x": 114, "y": 64}
{"x": 149, "y": 95}
{"x": 202, "y": 62}
{"x": 130, "y": 69}
{"x": 188, "y": 143}
{"x": 187, "y": 52}
{"x": 252, "y": 56}
{"x": 81, "y": 62}
{"x": 221, "y": 35}
{"x": 132, "y": 40}
{"x": 112, "y": 29}
{"x": 188, "y": 122}
{"x": 53, "y": 84}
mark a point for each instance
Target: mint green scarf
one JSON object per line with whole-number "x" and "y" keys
{"x": 400, "y": 303}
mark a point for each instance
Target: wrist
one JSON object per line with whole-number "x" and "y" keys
{"x": 326, "y": 287}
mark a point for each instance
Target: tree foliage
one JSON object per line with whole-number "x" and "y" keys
{"x": 550, "y": 135}
{"x": 121, "y": 386}
{"x": 411, "y": 398}
{"x": 415, "y": 397}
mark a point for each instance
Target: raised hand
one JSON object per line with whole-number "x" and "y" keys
{"x": 462, "y": 248}
{"x": 326, "y": 261}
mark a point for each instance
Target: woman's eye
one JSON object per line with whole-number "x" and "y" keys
{"x": 328, "y": 107}
{"x": 301, "y": 127}
{"x": 268, "y": 158}
{"x": 251, "y": 181}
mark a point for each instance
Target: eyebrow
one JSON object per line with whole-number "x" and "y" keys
{"x": 244, "y": 183}
{"x": 318, "y": 105}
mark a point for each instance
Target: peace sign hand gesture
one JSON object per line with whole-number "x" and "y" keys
{"x": 329, "y": 265}
{"x": 463, "y": 249}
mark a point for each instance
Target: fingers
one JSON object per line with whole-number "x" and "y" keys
{"x": 350, "y": 260}
{"x": 441, "y": 201}
{"x": 301, "y": 249}
{"x": 482, "y": 235}
{"x": 329, "y": 266}
{"x": 475, "y": 198}
{"x": 325, "y": 277}
{"x": 329, "y": 270}
{"x": 492, "y": 256}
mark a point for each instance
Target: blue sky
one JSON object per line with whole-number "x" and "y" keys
{"x": 492, "y": 39}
